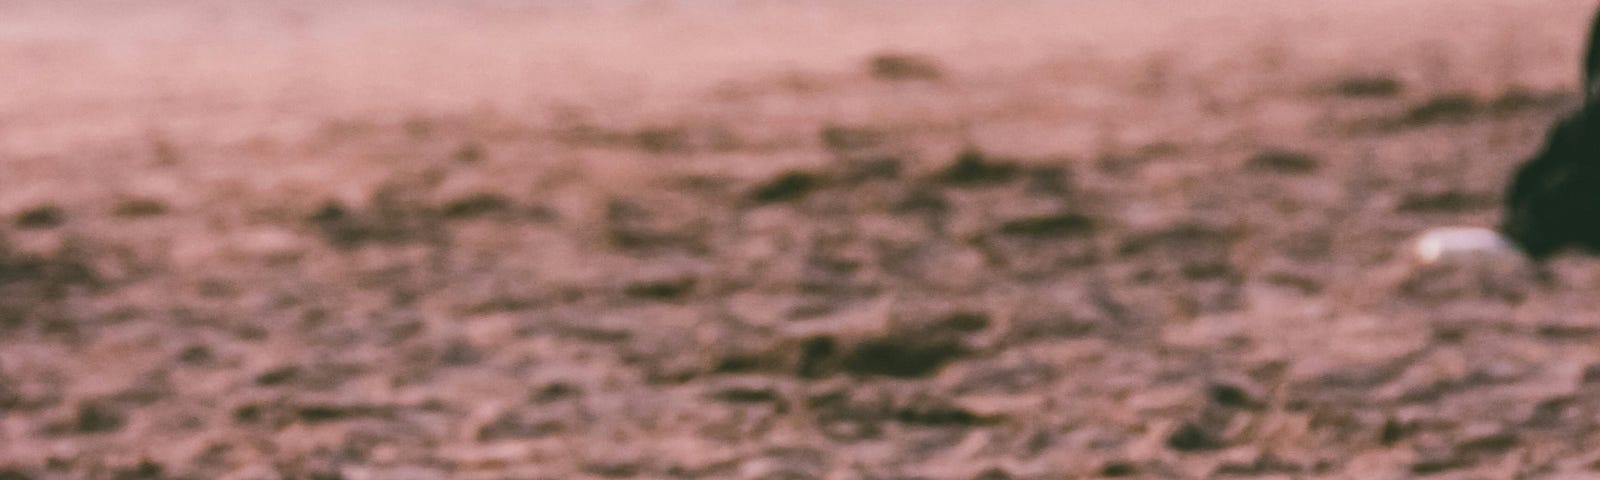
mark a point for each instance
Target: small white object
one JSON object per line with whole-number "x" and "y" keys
{"x": 1439, "y": 244}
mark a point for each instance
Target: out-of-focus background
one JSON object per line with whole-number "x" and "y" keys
{"x": 1021, "y": 239}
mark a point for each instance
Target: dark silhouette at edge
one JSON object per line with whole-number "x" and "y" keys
{"x": 1553, "y": 200}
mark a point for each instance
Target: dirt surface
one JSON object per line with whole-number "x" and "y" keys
{"x": 780, "y": 240}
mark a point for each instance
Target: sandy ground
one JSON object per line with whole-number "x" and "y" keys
{"x": 780, "y": 240}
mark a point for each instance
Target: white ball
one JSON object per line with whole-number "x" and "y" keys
{"x": 1462, "y": 263}
{"x": 1455, "y": 243}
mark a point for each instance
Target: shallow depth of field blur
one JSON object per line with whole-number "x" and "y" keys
{"x": 1021, "y": 239}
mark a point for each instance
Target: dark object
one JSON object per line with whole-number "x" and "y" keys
{"x": 1438, "y": 465}
{"x": 1283, "y": 161}
{"x": 1552, "y": 202}
{"x": 145, "y": 470}
{"x": 664, "y": 289}
{"x": 326, "y": 413}
{"x": 197, "y": 355}
{"x": 788, "y": 186}
{"x": 475, "y": 205}
{"x": 905, "y": 357}
{"x": 97, "y": 418}
{"x": 1116, "y": 469}
{"x": 1369, "y": 86}
{"x": 1393, "y": 431}
{"x": 554, "y": 391}
{"x": 814, "y": 354}
{"x": 1447, "y": 108}
{"x": 140, "y": 207}
{"x": 1232, "y": 396}
{"x": 278, "y": 376}
{"x": 845, "y": 138}
{"x": 1591, "y": 61}
{"x": 46, "y": 216}
{"x": 13, "y": 474}
{"x": 1191, "y": 438}
{"x": 1265, "y": 464}
{"x": 1051, "y": 226}
{"x": 894, "y": 66}
{"x": 940, "y": 416}
{"x": 972, "y": 167}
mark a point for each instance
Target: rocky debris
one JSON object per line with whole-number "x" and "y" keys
{"x": 98, "y": 417}
{"x": 1207, "y": 283}
{"x": 900, "y": 66}
{"x": 1368, "y": 86}
{"x": 141, "y": 208}
{"x": 644, "y": 228}
{"x": 973, "y": 167}
{"x": 1119, "y": 469}
{"x": 1192, "y": 437}
{"x": 786, "y": 187}
{"x": 476, "y": 204}
{"x": 1281, "y": 161}
{"x": 522, "y": 425}
{"x": 41, "y": 217}
{"x": 1233, "y": 396}
{"x": 1264, "y": 464}
{"x": 847, "y": 138}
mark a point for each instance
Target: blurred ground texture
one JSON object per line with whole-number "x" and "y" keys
{"x": 764, "y": 240}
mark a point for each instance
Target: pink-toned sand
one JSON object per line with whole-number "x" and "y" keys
{"x": 1019, "y": 239}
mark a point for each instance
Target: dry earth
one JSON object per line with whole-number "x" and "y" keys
{"x": 780, "y": 240}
